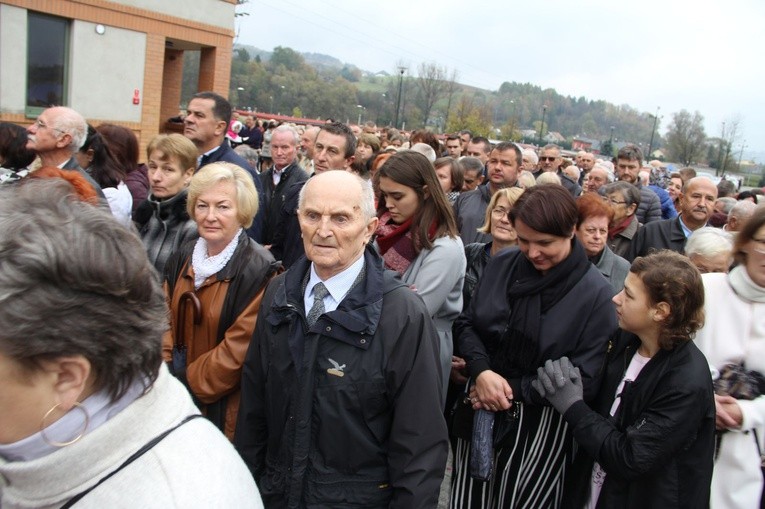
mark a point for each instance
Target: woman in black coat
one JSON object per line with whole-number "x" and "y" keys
{"x": 648, "y": 440}
{"x": 542, "y": 301}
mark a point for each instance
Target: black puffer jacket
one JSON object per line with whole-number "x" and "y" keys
{"x": 658, "y": 449}
{"x": 346, "y": 413}
{"x": 164, "y": 226}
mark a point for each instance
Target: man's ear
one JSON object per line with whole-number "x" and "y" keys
{"x": 632, "y": 209}
{"x": 370, "y": 229}
{"x": 220, "y": 127}
{"x": 64, "y": 140}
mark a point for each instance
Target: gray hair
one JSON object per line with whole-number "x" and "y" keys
{"x": 73, "y": 281}
{"x": 727, "y": 202}
{"x": 608, "y": 171}
{"x": 367, "y": 204}
{"x": 471, "y": 164}
{"x": 249, "y": 153}
{"x": 426, "y": 150}
{"x": 629, "y": 192}
{"x": 742, "y": 209}
{"x": 533, "y": 157}
{"x": 709, "y": 242}
{"x": 72, "y": 123}
{"x": 286, "y": 128}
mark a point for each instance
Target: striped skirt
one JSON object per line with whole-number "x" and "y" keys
{"x": 528, "y": 472}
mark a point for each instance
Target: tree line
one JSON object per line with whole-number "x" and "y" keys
{"x": 432, "y": 97}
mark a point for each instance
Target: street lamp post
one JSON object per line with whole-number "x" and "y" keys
{"x": 281, "y": 97}
{"x": 650, "y": 143}
{"x": 401, "y": 71}
{"x": 542, "y": 125}
{"x": 512, "y": 120}
{"x": 271, "y": 98}
{"x": 361, "y": 108}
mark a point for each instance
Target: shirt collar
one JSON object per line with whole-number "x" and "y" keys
{"x": 339, "y": 284}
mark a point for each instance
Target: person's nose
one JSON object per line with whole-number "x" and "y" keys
{"x": 324, "y": 229}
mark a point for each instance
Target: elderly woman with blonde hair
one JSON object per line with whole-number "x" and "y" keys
{"x": 214, "y": 287}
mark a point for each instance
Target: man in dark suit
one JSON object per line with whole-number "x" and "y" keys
{"x": 206, "y": 123}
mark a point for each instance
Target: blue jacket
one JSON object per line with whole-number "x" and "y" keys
{"x": 667, "y": 207}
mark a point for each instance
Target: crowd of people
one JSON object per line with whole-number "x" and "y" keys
{"x": 271, "y": 315}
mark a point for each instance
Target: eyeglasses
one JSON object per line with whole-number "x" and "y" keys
{"x": 499, "y": 212}
{"x": 593, "y": 231}
{"x": 548, "y": 158}
{"x": 42, "y": 125}
{"x": 616, "y": 202}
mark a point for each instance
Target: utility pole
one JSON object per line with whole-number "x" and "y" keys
{"x": 542, "y": 125}
{"x": 401, "y": 70}
{"x": 741, "y": 154}
{"x": 650, "y": 143}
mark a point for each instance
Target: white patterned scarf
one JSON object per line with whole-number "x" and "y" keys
{"x": 205, "y": 266}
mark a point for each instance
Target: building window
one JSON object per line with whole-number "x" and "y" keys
{"x": 47, "y": 51}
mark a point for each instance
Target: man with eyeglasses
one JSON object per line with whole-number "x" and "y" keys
{"x": 697, "y": 204}
{"x": 56, "y": 136}
{"x": 629, "y": 160}
{"x": 504, "y": 164}
{"x": 550, "y": 161}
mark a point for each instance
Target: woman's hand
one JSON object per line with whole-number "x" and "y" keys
{"x": 727, "y": 413}
{"x": 491, "y": 392}
{"x": 457, "y": 374}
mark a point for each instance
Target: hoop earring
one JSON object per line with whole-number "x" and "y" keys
{"x": 75, "y": 439}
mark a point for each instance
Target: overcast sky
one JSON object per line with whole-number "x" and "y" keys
{"x": 671, "y": 54}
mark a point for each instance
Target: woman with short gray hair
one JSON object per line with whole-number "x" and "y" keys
{"x": 88, "y": 412}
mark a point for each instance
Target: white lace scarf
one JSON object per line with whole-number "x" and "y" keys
{"x": 205, "y": 266}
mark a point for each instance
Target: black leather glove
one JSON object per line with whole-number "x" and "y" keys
{"x": 560, "y": 382}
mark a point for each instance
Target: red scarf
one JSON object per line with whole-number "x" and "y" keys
{"x": 616, "y": 230}
{"x": 395, "y": 243}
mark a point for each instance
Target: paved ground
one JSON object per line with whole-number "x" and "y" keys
{"x": 443, "y": 499}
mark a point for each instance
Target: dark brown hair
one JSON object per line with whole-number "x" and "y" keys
{"x": 455, "y": 169}
{"x": 413, "y": 170}
{"x": 546, "y": 208}
{"x": 671, "y": 277}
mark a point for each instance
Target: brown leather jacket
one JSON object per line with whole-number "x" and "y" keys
{"x": 216, "y": 345}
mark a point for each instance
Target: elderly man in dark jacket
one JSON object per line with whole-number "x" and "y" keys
{"x": 341, "y": 398}
{"x": 280, "y": 177}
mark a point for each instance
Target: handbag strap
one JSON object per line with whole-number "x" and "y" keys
{"x": 140, "y": 452}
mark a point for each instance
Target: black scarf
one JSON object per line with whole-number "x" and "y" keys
{"x": 530, "y": 295}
